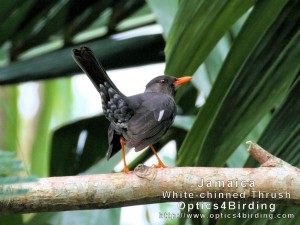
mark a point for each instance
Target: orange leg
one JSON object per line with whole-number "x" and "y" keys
{"x": 160, "y": 163}
{"x": 122, "y": 141}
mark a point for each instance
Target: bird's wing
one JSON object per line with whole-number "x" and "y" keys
{"x": 116, "y": 107}
{"x": 151, "y": 120}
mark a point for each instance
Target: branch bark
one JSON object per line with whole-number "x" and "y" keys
{"x": 275, "y": 181}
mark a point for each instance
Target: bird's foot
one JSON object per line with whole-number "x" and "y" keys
{"x": 159, "y": 165}
{"x": 126, "y": 169}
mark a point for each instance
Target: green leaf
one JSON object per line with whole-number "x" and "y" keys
{"x": 7, "y": 6}
{"x": 184, "y": 122}
{"x": 121, "y": 10}
{"x": 215, "y": 59}
{"x": 184, "y": 106}
{"x": 10, "y": 168}
{"x": 50, "y": 20}
{"x": 40, "y": 148}
{"x": 10, "y": 118}
{"x": 41, "y": 26}
{"x": 281, "y": 138}
{"x": 197, "y": 28}
{"x": 83, "y": 20}
{"x": 127, "y": 52}
{"x": 240, "y": 156}
{"x": 55, "y": 95}
{"x": 165, "y": 12}
{"x": 13, "y": 22}
{"x": 206, "y": 74}
{"x": 238, "y": 98}
{"x": 264, "y": 86}
{"x": 11, "y": 220}
{"x": 77, "y": 146}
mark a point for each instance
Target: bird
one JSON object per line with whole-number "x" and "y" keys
{"x": 136, "y": 121}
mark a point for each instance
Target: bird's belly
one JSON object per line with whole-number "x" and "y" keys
{"x": 147, "y": 137}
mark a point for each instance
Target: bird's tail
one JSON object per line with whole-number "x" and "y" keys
{"x": 113, "y": 141}
{"x": 88, "y": 62}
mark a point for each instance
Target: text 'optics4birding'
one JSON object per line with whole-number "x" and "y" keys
{"x": 136, "y": 121}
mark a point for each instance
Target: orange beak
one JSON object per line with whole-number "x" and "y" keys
{"x": 181, "y": 80}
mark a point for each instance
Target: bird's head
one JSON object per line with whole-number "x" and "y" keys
{"x": 166, "y": 84}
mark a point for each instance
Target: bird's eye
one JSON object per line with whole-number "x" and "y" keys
{"x": 163, "y": 81}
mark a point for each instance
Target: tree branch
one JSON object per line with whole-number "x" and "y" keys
{"x": 275, "y": 181}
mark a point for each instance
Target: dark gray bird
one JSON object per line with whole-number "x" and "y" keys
{"x": 137, "y": 121}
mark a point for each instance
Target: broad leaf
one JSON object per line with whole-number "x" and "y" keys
{"x": 281, "y": 138}
{"x": 77, "y": 146}
{"x": 165, "y": 12}
{"x": 237, "y": 99}
{"x": 197, "y": 28}
{"x": 126, "y": 52}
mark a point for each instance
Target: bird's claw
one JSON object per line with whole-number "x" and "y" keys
{"x": 159, "y": 165}
{"x": 126, "y": 170}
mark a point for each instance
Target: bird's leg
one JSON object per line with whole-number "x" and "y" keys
{"x": 122, "y": 141}
{"x": 160, "y": 163}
